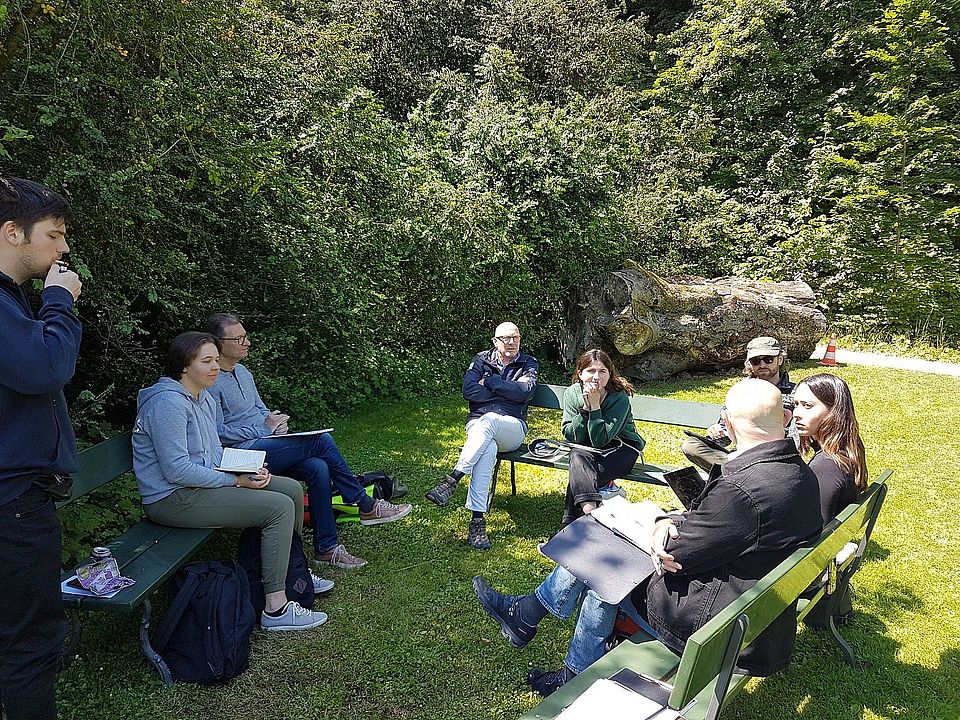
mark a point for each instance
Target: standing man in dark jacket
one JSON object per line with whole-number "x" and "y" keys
{"x": 38, "y": 356}
{"x": 498, "y": 386}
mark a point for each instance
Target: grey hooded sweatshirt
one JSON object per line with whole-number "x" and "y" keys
{"x": 175, "y": 441}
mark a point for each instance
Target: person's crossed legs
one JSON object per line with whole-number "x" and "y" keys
{"x": 316, "y": 461}
{"x": 486, "y": 436}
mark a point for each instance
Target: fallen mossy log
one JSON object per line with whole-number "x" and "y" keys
{"x": 655, "y": 327}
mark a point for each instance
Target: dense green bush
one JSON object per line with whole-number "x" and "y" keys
{"x": 373, "y": 187}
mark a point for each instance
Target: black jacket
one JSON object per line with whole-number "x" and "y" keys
{"x": 760, "y": 507}
{"x": 505, "y": 390}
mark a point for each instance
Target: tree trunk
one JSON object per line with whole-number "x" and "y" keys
{"x": 654, "y": 328}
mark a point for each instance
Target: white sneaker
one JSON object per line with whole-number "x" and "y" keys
{"x": 320, "y": 585}
{"x": 293, "y": 617}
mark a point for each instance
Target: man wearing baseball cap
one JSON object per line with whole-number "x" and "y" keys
{"x": 766, "y": 360}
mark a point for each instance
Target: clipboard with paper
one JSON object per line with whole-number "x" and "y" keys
{"x": 605, "y": 549}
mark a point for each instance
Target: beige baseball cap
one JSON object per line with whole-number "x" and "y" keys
{"x": 761, "y": 346}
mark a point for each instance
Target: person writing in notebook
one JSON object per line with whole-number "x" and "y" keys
{"x": 313, "y": 459}
{"x": 754, "y": 512}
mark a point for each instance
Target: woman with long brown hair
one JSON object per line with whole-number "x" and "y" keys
{"x": 596, "y": 413}
{"x": 827, "y": 425}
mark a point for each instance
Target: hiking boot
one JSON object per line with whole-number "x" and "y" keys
{"x": 320, "y": 586}
{"x": 547, "y": 682}
{"x": 477, "y": 534}
{"x": 383, "y": 512}
{"x": 339, "y": 557}
{"x": 293, "y": 617}
{"x": 505, "y": 609}
{"x": 441, "y": 494}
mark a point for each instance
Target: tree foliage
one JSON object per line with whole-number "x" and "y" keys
{"x": 374, "y": 187}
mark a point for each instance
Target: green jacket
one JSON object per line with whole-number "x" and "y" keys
{"x": 597, "y": 429}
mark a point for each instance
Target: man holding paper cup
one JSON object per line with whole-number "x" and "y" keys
{"x": 38, "y": 450}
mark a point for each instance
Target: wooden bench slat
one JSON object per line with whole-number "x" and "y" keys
{"x": 667, "y": 411}
{"x": 149, "y": 554}
{"x": 98, "y": 465}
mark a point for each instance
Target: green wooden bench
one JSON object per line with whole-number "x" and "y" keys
{"x": 646, "y": 408}
{"x": 147, "y": 552}
{"x": 704, "y": 679}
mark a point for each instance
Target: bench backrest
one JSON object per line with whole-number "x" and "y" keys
{"x": 646, "y": 408}
{"x": 703, "y": 656}
{"x": 101, "y": 463}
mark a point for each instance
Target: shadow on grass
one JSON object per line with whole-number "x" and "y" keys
{"x": 818, "y": 684}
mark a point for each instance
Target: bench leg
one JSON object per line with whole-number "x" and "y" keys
{"x": 848, "y": 655}
{"x": 513, "y": 477}
{"x": 152, "y": 655}
{"x": 73, "y": 639}
{"x": 493, "y": 484}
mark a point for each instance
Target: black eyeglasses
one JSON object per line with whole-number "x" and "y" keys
{"x": 765, "y": 359}
{"x": 240, "y": 340}
{"x": 506, "y": 339}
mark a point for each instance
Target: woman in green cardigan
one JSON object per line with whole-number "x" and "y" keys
{"x": 596, "y": 413}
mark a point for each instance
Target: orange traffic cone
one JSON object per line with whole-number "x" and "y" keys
{"x": 830, "y": 356}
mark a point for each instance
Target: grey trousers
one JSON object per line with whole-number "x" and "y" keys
{"x": 277, "y": 510}
{"x": 702, "y": 455}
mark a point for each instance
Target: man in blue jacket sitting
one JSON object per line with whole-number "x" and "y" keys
{"x": 498, "y": 385}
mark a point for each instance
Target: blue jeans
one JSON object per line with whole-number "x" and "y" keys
{"x": 315, "y": 461}
{"x": 32, "y": 623}
{"x": 560, "y": 592}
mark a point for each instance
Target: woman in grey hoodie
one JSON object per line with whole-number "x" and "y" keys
{"x": 176, "y": 450}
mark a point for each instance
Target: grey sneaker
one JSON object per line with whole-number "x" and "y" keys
{"x": 293, "y": 617}
{"x": 383, "y": 512}
{"x": 320, "y": 585}
{"x": 612, "y": 490}
{"x": 339, "y": 557}
{"x": 441, "y": 494}
{"x": 477, "y": 534}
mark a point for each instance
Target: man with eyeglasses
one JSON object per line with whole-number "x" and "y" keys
{"x": 312, "y": 459}
{"x": 766, "y": 360}
{"x": 497, "y": 386}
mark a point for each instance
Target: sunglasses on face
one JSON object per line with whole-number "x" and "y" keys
{"x": 765, "y": 359}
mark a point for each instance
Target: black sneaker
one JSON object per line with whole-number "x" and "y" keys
{"x": 441, "y": 494}
{"x": 477, "y": 534}
{"x": 547, "y": 682}
{"x": 505, "y": 609}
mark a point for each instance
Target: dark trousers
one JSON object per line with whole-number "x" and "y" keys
{"x": 591, "y": 471}
{"x": 32, "y": 623}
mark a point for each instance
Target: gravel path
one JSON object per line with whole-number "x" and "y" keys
{"x": 849, "y": 357}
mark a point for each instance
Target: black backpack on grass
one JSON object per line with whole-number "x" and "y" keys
{"x": 205, "y": 635}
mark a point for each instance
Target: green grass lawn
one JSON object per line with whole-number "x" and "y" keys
{"x": 407, "y": 639}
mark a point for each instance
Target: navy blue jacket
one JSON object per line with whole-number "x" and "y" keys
{"x": 505, "y": 391}
{"x": 38, "y": 357}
